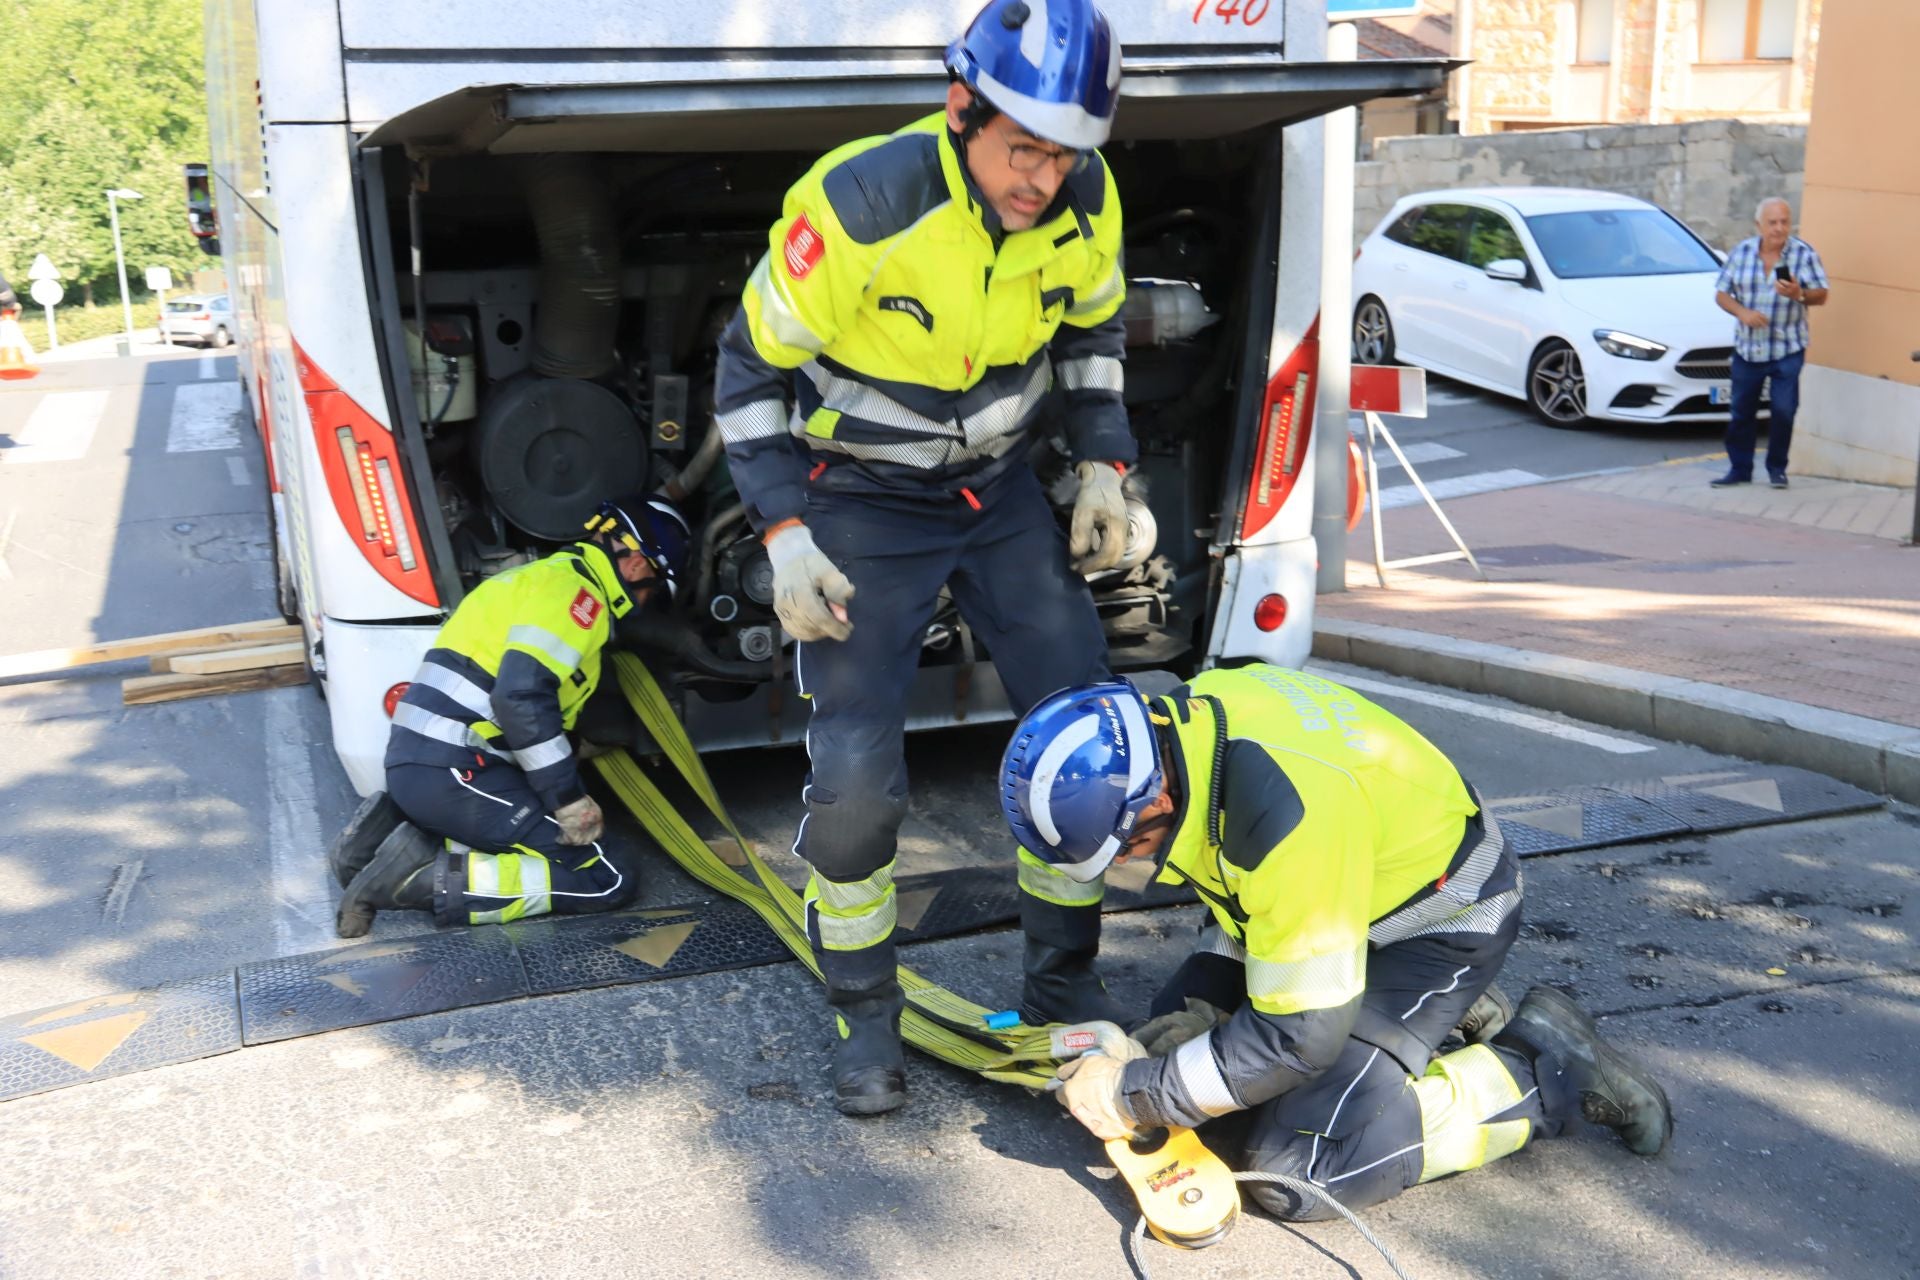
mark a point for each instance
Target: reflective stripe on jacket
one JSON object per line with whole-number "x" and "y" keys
{"x": 510, "y": 670}
{"x": 1313, "y": 824}
{"x": 924, "y": 340}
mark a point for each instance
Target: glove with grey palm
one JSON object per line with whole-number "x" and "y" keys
{"x": 1090, "y": 1087}
{"x": 580, "y": 821}
{"x": 1162, "y": 1035}
{"x": 1098, "y": 537}
{"x": 809, "y": 592}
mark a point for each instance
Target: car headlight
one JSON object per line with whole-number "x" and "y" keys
{"x": 1627, "y": 346}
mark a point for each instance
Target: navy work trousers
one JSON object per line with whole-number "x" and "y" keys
{"x": 1356, "y": 1129}
{"x": 1006, "y": 564}
{"x": 491, "y": 809}
{"x": 1744, "y": 423}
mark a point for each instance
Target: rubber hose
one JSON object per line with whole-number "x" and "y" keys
{"x": 578, "y": 313}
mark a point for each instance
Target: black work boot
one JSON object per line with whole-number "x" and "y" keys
{"x": 1487, "y": 1018}
{"x": 1063, "y": 986}
{"x": 354, "y": 847}
{"x": 869, "y": 1066}
{"x": 400, "y": 878}
{"x": 1612, "y": 1088}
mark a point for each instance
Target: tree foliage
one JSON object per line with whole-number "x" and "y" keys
{"x": 99, "y": 95}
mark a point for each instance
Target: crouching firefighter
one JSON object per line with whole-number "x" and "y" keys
{"x": 485, "y": 818}
{"x": 923, "y": 295}
{"x": 1362, "y": 902}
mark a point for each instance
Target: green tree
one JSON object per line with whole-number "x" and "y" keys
{"x": 99, "y": 95}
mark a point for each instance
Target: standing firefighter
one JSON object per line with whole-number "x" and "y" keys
{"x": 1362, "y": 903}
{"x": 497, "y": 823}
{"x": 930, "y": 288}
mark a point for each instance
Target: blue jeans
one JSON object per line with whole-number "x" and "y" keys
{"x": 1748, "y": 377}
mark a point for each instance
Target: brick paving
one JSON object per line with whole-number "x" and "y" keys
{"x": 1807, "y": 594}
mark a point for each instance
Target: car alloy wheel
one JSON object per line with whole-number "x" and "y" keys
{"x": 1372, "y": 333}
{"x": 1557, "y": 386}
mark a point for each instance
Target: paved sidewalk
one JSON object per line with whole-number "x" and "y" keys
{"x": 1776, "y": 625}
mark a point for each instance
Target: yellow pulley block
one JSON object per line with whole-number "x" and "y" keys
{"x": 1186, "y": 1192}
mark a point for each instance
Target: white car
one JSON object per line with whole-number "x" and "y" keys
{"x": 1582, "y": 303}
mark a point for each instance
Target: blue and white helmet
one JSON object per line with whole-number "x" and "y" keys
{"x": 1051, "y": 65}
{"x": 651, "y": 526}
{"x": 1080, "y": 768}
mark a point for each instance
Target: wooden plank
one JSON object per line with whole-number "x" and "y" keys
{"x": 213, "y": 664}
{"x": 161, "y": 663}
{"x": 140, "y": 690}
{"x": 49, "y": 661}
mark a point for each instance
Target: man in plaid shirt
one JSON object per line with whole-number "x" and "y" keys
{"x": 1767, "y": 285}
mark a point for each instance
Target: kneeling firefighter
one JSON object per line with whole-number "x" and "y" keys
{"x": 1362, "y": 902}
{"x": 485, "y": 818}
{"x": 923, "y": 297}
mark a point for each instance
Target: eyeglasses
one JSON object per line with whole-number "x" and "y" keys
{"x": 1024, "y": 157}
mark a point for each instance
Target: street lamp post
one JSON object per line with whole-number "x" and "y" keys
{"x": 120, "y": 256}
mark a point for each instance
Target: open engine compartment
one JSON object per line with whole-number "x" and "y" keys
{"x": 573, "y": 302}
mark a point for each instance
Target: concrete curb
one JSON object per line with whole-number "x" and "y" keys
{"x": 1875, "y": 754}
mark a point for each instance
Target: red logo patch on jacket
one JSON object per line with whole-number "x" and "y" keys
{"x": 585, "y": 609}
{"x": 805, "y": 248}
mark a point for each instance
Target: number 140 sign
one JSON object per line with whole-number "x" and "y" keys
{"x": 1249, "y": 13}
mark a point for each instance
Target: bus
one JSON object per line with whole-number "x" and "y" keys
{"x": 480, "y": 254}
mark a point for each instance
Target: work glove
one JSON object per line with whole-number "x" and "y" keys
{"x": 1099, "y": 533}
{"x": 1090, "y": 1087}
{"x": 1162, "y": 1035}
{"x": 580, "y": 821}
{"x": 809, "y": 593}
{"x": 1075, "y": 1039}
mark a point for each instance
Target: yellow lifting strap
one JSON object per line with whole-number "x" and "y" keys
{"x": 936, "y": 1020}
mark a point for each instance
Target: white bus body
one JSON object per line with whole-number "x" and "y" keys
{"x": 693, "y": 118}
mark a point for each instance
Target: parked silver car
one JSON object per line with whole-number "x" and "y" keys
{"x": 205, "y": 318}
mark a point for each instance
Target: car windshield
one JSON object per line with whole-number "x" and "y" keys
{"x": 189, "y": 304}
{"x": 1618, "y": 242}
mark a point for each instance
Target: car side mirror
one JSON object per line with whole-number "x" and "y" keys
{"x": 1510, "y": 269}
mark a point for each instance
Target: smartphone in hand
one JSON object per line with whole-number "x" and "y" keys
{"x": 1780, "y": 272}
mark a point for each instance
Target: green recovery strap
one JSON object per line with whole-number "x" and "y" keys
{"x": 936, "y": 1020}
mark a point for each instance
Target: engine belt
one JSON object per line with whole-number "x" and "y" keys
{"x": 936, "y": 1020}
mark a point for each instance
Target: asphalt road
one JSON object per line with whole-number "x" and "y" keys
{"x": 1473, "y": 441}
{"x": 681, "y": 1128}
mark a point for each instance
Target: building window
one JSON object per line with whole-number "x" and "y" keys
{"x": 1745, "y": 30}
{"x": 1596, "y": 31}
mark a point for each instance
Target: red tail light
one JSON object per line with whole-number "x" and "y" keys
{"x": 393, "y": 696}
{"x": 201, "y": 315}
{"x": 362, "y": 465}
{"x": 1286, "y": 428}
{"x": 1270, "y": 612}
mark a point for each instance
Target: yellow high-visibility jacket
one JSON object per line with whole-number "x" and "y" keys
{"x": 1315, "y": 825}
{"x": 510, "y": 670}
{"x": 924, "y": 337}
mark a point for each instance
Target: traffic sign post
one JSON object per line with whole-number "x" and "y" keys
{"x": 1400, "y": 390}
{"x": 47, "y": 292}
{"x": 1350, "y": 10}
{"x": 160, "y": 279}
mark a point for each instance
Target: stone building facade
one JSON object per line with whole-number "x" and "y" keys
{"x": 1552, "y": 63}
